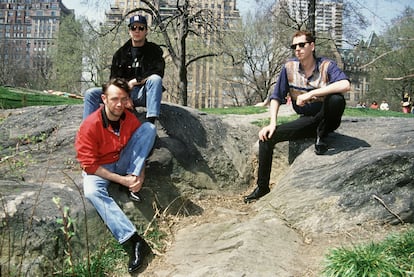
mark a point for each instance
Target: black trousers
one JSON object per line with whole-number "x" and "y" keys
{"x": 325, "y": 121}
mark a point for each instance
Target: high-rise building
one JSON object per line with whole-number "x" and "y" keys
{"x": 27, "y": 31}
{"x": 328, "y": 15}
{"x": 205, "y": 87}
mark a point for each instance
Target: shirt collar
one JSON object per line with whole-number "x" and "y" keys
{"x": 105, "y": 120}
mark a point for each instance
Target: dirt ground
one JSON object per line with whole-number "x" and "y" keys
{"x": 315, "y": 246}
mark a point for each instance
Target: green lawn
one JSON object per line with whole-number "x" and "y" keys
{"x": 11, "y": 98}
{"x": 348, "y": 111}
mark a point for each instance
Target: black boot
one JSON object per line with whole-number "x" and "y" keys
{"x": 258, "y": 192}
{"x": 140, "y": 250}
{"x": 320, "y": 146}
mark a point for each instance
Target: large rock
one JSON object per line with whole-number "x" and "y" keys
{"x": 196, "y": 154}
{"x": 366, "y": 176}
{"x": 360, "y": 186}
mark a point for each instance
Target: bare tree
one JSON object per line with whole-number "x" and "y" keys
{"x": 392, "y": 65}
{"x": 188, "y": 23}
{"x": 260, "y": 48}
{"x": 99, "y": 45}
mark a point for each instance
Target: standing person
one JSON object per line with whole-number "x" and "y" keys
{"x": 140, "y": 62}
{"x": 112, "y": 146}
{"x": 315, "y": 86}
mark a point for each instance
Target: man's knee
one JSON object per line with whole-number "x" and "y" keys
{"x": 92, "y": 93}
{"x": 148, "y": 128}
{"x": 90, "y": 192}
{"x": 336, "y": 99}
{"x": 154, "y": 78}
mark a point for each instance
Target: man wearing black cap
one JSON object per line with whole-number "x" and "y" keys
{"x": 141, "y": 63}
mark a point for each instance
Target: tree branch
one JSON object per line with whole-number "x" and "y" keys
{"x": 399, "y": 78}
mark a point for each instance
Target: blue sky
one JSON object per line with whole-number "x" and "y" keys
{"x": 380, "y": 12}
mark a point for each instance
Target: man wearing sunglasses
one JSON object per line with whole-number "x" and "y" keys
{"x": 140, "y": 62}
{"x": 316, "y": 87}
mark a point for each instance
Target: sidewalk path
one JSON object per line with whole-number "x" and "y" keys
{"x": 236, "y": 119}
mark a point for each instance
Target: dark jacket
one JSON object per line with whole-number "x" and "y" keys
{"x": 151, "y": 62}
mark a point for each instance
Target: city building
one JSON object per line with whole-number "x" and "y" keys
{"x": 27, "y": 32}
{"x": 356, "y": 62}
{"x": 205, "y": 87}
{"x": 328, "y": 16}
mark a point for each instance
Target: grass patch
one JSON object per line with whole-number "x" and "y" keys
{"x": 392, "y": 257}
{"x": 11, "y": 98}
{"x": 355, "y": 112}
{"x": 236, "y": 110}
{"x": 358, "y": 112}
{"x": 351, "y": 112}
{"x": 111, "y": 258}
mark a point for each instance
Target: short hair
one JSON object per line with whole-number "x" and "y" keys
{"x": 309, "y": 36}
{"x": 118, "y": 82}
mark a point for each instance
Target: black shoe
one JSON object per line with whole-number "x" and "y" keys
{"x": 256, "y": 194}
{"x": 140, "y": 250}
{"x": 135, "y": 196}
{"x": 320, "y": 146}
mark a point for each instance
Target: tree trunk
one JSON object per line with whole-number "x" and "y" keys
{"x": 311, "y": 13}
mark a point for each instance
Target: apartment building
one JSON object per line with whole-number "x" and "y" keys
{"x": 328, "y": 15}
{"x": 27, "y": 31}
{"x": 355, "y": 61}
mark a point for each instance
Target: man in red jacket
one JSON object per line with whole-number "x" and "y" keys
{"x": 112, "y": 146}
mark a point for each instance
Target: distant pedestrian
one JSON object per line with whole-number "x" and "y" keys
{"x": 374, "y": 105}
{"x": 384, "y": 106}
{"x": 406, "y": 103}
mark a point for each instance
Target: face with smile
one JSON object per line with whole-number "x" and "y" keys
{"x": 115, "y": 100}
{"x": 138, "y": 33}
{"x": 303, "y": 49}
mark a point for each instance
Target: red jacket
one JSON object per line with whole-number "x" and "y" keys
{"x": 96, "y": 143}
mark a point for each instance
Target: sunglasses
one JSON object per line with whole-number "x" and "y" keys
{"x": 301, "y": 45}
{"x": 139, "y": 28}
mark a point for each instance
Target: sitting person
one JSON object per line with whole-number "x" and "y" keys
{"x": 374, "y": 105}
{"x": 112, "y": 146}
{"x": 141, "y": 63}
{"x": 316, "y": 87}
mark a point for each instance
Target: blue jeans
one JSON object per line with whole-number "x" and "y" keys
{"x": 131, "y": 161}
{"x": 149, "y": 96}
